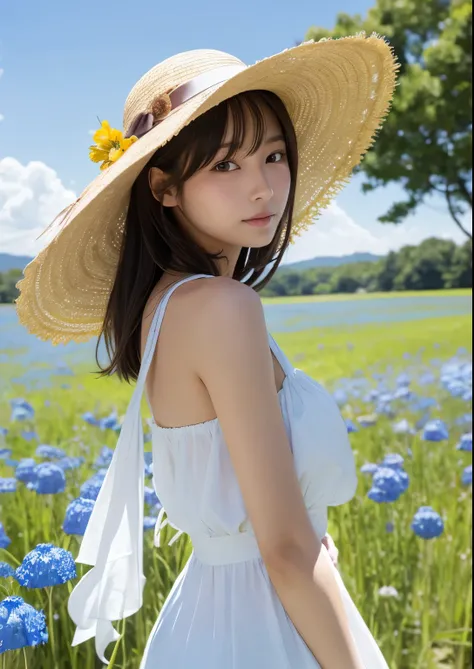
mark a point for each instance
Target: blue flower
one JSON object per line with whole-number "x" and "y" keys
{"x": 26, "y": 470}
{"x": 21, "y": 625}
{"x": 50, "y": 479}
{"x": 393, "y": 460}
{"x": 78, "y": 513}
{"x": 45, "y": 566}
{"x": 3, "y": 431}
{"x": 50, "y": 452}
{"x": 90, "y": 418}
{"x": 90, "y": 489}
{"x": 104, "y": 458}
{"x": 28, "y": 435}
{"x": 465, "y": 443}
{"x": 109, "y": 422}
{"x": 435, "y": 430}
{"x": 21, "y": 410}
{"x": 7, "y": 485}
{"x": 69, "y": 462}
{"x": 6, "y": 570}
{"x": 387, "y": 486}
{"x": 151, "y": 497}
{"x": 4, "y": 539}
{"x": 148, "y": 457}
{"x": 369, "y": 468}
{"x": 389, "y": 527}
{"x": 427, "y": 523}
{"x": 350, "y": 426}
{"x": 340, "y": 396}
{"x": 466, "y": 478}
{"x": 466, "y": 419}
{"x": 5, "y": 453}
{"x": 149, "y": 523}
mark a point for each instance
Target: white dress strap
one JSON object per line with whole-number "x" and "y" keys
{"x": 113, "y": 541}
{"x": 280, "y": 356}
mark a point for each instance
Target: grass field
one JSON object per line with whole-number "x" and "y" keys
{"x": 424, "y": 623}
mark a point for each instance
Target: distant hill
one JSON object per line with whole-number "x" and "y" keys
{"x": 8, "y": 261}
{"x": 329, "y": 261}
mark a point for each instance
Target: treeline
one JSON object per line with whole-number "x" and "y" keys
{"x": 432, "y": 265}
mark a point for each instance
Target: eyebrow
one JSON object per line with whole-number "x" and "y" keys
{"x": 268, "y": 140}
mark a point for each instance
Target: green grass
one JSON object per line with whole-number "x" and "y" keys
{"x": 430, "y": 620}
{"x": 343, "y": 297}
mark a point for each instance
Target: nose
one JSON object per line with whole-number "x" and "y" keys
{"x": 260, "y": 186}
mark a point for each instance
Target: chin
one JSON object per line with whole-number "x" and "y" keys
{"x": 259, "y": 239}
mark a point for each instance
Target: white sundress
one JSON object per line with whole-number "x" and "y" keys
{"x": 222, "y": 611}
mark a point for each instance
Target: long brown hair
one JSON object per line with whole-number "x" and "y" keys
{"x": 153, "y": 243}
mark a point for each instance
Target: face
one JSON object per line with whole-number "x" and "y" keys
{"x": 222, "y": 205}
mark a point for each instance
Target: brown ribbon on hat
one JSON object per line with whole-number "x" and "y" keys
{"x": 167, "y": 102}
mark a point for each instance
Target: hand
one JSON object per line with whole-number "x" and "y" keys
{"x": 331, "y": 548}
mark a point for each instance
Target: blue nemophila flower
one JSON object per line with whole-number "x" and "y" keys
{"x": 21, "y": 410}
{"x": 69, "y": 462}
{"x": 403, "y": 393}
{"x": 467, "y": 397}
{"x": 340, "y": 397}
{"x": 151, "y": 497}
{"x": 29, "y": 435}
{"x": 403, "y": 379}
{"x": 26, "y": 470}
{"x": 50, "y": 452}
{"x": 90, "y": 489}
{"x": 90, "y": 418}
{"x": 389, "y": 527}
{"x": 435, "y": 430}
{"x": 148, "y": 470}
{"x": 5, "y": 453}
{"x": 3, "y": 431}
{"x": 4, "y": 539}
{"x": 6, "y": 570}
{"x": 78, "y": 513}
{"x": 387, "y": 486}
{"x": 109, "y": 422}
{"x": 466, "y": 477}
{"x": 465, "y": 443}
{"x": 393, "y": 460}
{"x": 350, "y": 426}
{"x": 104, "y": 458}
{"x": 427, "y": 523}
{"x": 466, "y": 419}
{"x": 21, "y": 625}
{"x": 7, "y": 485}
{"x": 369, "y": 468}
{"x": 148, "y": 457}
{"x": 45, "y": 566}
{"x": 50, "y": 479}
{"x": 149, "y": 523}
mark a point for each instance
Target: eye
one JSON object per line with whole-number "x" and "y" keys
{"x": 276, "y": 154}
{"x": 223, "y": 165}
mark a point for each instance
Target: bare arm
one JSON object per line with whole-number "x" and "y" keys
{"x": 233, "y": 360}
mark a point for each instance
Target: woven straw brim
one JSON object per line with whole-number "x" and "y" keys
{"x": 337, "y": 93}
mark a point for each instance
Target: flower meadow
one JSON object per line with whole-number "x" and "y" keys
{"x": 405, "y": 391}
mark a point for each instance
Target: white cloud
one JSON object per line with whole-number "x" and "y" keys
{"x": 30, "y": 197}
{"x": 2, "y": 118}
{"x": 337, "y": 234}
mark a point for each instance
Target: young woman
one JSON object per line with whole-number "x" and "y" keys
{"x": 221, "y": 166}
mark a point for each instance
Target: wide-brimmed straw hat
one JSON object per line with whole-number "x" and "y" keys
{"x": 337, "y": 93}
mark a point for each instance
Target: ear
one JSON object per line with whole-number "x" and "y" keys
{"x": 157, "y": 179}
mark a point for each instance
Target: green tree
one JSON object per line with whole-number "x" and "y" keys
{"x": 425, "y": 143}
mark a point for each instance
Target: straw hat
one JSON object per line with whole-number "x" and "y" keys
{"x": 337, "y": 93}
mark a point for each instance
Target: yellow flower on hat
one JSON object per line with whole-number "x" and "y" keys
{"x": 110, "y": 145}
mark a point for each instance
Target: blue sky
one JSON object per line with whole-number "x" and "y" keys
{"x": 62, "y": 65}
